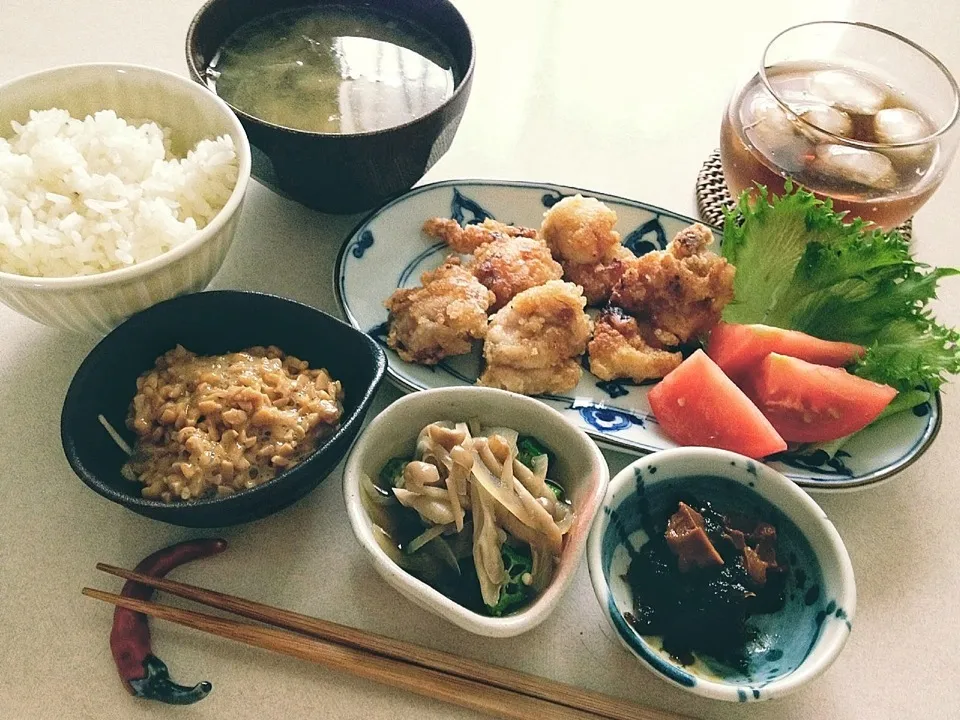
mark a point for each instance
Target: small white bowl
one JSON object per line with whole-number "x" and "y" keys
{"x": 797, "y": 643}
{"x": 580, "y": 468}
{"x": 94, "y": 304}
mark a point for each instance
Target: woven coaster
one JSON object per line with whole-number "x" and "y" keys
{"x": 713, "y": 196}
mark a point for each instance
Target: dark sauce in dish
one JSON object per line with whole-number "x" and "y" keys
{"x": 333, "y": 69}
{"x": 700, "y": 577}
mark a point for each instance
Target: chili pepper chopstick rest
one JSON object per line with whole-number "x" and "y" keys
{"x": 144, "y": 674}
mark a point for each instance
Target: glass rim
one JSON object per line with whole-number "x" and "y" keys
{"x": 942, "y": 130}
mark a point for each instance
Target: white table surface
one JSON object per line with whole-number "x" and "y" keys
{"x": 623, "y": 97}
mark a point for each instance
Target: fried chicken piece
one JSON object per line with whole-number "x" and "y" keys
{"x": 599, "y": 279}
{"x": 622, "y": 348}
{"x": 539, "y": 327}
{"x": 525, "y": 381}
{"x": 533, "y": 342}
{"x": 580, "y": 230}
{"x": 692, "y": 240}
{"x": 509, "y": 265}
{"x": 467, "y": 239}
{"x": 681, "y": 290}
{"x": 429, "y": 323}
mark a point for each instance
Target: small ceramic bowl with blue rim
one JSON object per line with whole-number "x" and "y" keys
{"x": 787, "y": 648}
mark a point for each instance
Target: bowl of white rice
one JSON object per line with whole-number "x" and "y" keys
{"x": 120, "y": 186}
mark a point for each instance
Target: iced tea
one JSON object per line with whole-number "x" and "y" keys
{"x": 846, "y": 135}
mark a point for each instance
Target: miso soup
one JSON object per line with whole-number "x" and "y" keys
{"x": 333, "y": 69}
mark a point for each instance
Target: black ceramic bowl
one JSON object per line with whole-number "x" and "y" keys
{"x": 212, "y": 323}
{"x": 352, "y": 172}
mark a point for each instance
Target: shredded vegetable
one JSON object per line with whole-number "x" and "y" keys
{"x": 473, "y": 514}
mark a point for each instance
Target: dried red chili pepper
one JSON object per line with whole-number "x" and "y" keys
{"x": 143, "y": 673}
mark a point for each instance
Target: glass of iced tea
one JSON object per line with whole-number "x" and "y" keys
{"x": 850, "y": 111}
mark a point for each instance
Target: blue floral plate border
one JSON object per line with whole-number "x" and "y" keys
{"x": 387, "y": 250}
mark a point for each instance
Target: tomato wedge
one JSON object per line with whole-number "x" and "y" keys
{"x": 738, "y": 349}
{"x": 696, "y": 404}
{"x": 815, "y": 403}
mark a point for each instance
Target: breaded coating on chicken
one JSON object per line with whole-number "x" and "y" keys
{"x": 621, "y": 348}
{"x": 442, "y": 318}
{"x": 539, "y": 327}
{"x": 534, "y": 342}
{"x": 562, "y": 377}
{"x": 467, "y": 239}
{"x": 679, "y": 291}
{"x": 510, "y": 265}
{"x": 580, "y": 230}
{"x": 598, "y": 279}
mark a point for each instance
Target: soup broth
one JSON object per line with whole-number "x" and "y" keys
{"x": 333, "y": 69}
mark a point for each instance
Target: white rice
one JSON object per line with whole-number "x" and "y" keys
{"x": 79, "y": 197}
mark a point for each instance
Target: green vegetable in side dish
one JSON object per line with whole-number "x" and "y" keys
{"x": 528, "y": 448}
{"x": 518, "y": 564}
{"x": 455, "y": 515}
{"x": 557, "y": 491}
{"x": 392, "y": 473}
{"x": 800, "y": 267}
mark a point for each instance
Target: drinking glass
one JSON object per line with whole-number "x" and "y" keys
{"x": 853, "y": 112}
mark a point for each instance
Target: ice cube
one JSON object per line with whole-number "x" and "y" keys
{"x": 846, "y": 91}
{"x": 829, "y": 119}
{"x": 767, "y": 111}
{"x": 863, "y": 167}
{"x": 899, "y": 125}
{"x": 774, "y": 133}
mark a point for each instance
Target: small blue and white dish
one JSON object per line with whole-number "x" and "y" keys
{"x": 790, "y": 647}
{"x": 388, "y": 251}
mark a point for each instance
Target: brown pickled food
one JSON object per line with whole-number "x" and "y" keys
{"x": 700, "y": 577}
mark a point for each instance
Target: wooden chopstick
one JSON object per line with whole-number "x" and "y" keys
{"x": 412, "y": 678}
{"x": 555, "y": 692}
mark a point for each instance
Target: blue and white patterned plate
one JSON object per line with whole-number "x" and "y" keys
{"x": 388, "y": 251}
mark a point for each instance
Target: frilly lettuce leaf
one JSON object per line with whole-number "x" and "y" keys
{"x": 800, "y": 267}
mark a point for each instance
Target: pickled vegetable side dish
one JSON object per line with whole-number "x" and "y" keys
{"x": 473, "y": 514}
{"x": 699, "y": 578}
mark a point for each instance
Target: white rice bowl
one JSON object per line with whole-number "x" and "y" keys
{"x": 81, "y": 197}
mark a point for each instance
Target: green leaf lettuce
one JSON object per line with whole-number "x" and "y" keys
{"x": 800, "y": 267}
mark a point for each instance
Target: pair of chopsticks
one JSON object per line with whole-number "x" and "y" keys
{"x": 435, "y": 674}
